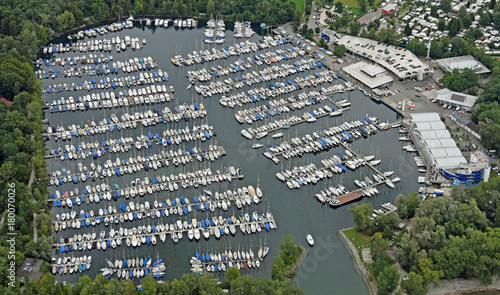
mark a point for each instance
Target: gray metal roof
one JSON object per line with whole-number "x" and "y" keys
{"x": 463, "y": 62}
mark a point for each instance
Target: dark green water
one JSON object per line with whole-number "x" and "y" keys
{"x": 328, "y": 267}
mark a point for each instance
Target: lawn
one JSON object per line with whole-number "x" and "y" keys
{"x": 360, "y": 240}
{"x": 299, "y": 5}
{"x": 351, "y": 3}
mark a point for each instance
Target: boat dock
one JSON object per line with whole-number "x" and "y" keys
{"x": 283, "y": 106}
{"x": 358, "y": 156}
{"x": 246, "y": 225}
{"x": 329, "y": 137}
{"x": 178, "y": 206}
{"x": 196, "y": 178}
{"x": 113, "y": 123}
{"x": 138, "y": 164}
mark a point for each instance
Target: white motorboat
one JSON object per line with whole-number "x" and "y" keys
{"x": 310, "y": 240}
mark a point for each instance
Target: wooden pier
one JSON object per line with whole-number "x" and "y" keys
{"x": 165, "y": 207}
{"x": 192, "y": 181}
{"x": 179, "y": 160}
{"x": 237, "y": 222}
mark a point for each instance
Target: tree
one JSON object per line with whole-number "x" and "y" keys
{"x": 361, "y": 216}
{"x": 129, "y": 287}
{"x": 415, "y": 284}
{"x": 364, "y": 33}
{"x": 323, "y": 43}
{"x": 371, "y": 2}
{"x": 407, "y": 30}
{"x": 362, "y": 5}
{"x": 339, "y": 50}
{"x": 354, "y": 28}
{"x": 412, "y": 202}
{"x": 149, "y": 285}
{"x": 304, "y": 29}
{"x": 441, "y": 24}
{"x": 429, "y": 275}
{"x": 372, "y": 34}
{"x": 211, "y": 7}
{"x": 381, "y": 35}
{"x": 339, "y": 7}
{"x": 388, "y": 279}
{"x": 308, "y": 9}
{"x": 446, "y": 5}
{"x": 484, "y": 20}
{"x": 296, "y": 18}
{"x": 388, "y": 233}
{"x": 467, "y": 21}
{"x": 378, "y": 247}
{"x": 454, "y": 26}
{"x": 243, "y": 285}
{"x": 460, "y": 80}
{"x": 232, "y": 274}
{"x": 317, "y": 30}
{"x": 114, "y": 287}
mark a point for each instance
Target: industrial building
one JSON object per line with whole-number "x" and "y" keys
{"x": 465, "y": 123}
{"x": 456, "y": 99}
{"x": 398, "y": 61}
{"x": 463, "y": 62}
{"x": 443, "y": 155}
{"x": 371, "y": 75}
{"x": 389, "y": 8}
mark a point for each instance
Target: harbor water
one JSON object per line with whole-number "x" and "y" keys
{"x": 328, "y": 265}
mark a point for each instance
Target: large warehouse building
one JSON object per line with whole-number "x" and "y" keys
{"x": 371, "y": 75}
{"x": 463, "y": 62}
{"x": 398, "y": 61}
{"x": 443, "y": 155}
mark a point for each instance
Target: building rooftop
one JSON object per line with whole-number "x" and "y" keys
{"x": 360, "y": 72}
{"x": 445, "y": 95}
{"x": 461, "y": 63}
{"x": 373, "y": 71}
{"x": 390, "y": 6}
{"x": 473, "y": 126}
{"x": 437, "y": 139}
{"x": 479, "y": 160}
{"x": 440, "y": 142}
{"x": 399, "y": 61}
{"x": 425, "y": 117}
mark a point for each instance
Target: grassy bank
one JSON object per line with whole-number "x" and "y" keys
{"x": 299, "y": 5}
{"x": 361, "y": 240}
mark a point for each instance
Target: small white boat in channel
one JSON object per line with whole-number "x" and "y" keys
{"x": 257, "y": 145}
{"x": 310, "y": 240}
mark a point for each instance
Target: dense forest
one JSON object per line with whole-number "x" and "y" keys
{"x": 24, "y": 27}
{"x": 456, "y": 236}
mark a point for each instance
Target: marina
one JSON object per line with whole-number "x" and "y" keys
{"x": 215, "y": 262}
{"x": 134, "y": 268}
{"x": 177, "y": 206}
{"x": 320, "y": 140}
{"x": 217, "y": 226}
{"x": 146, "y": 186}
{"x": 191, "y": 198}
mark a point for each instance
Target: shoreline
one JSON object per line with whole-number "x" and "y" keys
{"x": 462, "y": 286}
{"x": 357, "y": 262}
{"x": 298, "y": 262}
